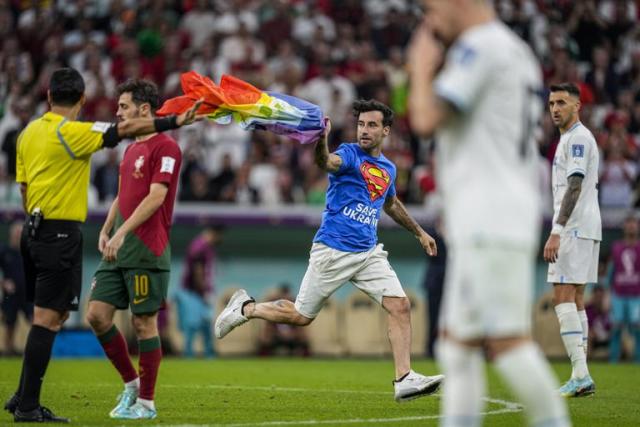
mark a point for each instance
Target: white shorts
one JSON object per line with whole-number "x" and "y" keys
{"x": 330, "y": 268}
{"x": 577, "y": 261}
{"x": 488, "y": 292}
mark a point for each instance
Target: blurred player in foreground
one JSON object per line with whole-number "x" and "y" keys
{"x": 484, "y": 104}
{"x": 361, "y": 184}
{"x": 573, "y": 247}
{"x": 134, "y": 242}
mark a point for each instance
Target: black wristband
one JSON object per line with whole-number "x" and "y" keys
{"x": 111, "y": 138}
{"x": 166, "y": 123}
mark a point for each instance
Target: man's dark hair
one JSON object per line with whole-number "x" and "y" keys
{"x": 142, "y": 91}
{"x": 570, "y": 88}
{"x": 363, "y": 106}
{"x": 66, "y": 87}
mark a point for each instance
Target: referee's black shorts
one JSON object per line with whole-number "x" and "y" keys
{"x": 53, "y": 264}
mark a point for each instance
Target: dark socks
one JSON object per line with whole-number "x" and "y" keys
{"x": 37, "y": 353}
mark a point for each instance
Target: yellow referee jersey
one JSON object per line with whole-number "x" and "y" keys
{"x": 54, "y": 159}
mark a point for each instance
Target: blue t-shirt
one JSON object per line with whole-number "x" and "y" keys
{"x": 355, "y": 198}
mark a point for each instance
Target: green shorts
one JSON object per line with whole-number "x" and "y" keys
{"x": 144, "y": 290}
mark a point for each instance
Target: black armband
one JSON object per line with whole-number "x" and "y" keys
{"x": 166, "y": 123}
{"x": 111, "y": 138}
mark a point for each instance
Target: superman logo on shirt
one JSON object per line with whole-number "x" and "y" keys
{"x": 376, "y": 178}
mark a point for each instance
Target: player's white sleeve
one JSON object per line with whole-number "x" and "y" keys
{"x": 578, "y": 154}
{"x": 464, "y": 76}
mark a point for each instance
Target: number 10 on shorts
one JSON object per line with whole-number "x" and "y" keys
{"x": 141, "y": 285}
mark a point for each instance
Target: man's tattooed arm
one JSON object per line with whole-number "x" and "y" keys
{"x": 396, "y": 210}
{"x": 570, "y": 199}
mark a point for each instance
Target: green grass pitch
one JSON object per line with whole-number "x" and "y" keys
{"x": 291, "y": 392}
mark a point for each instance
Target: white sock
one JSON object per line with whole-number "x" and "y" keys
{"x": 147, "y": 403}
{"x": 464, "y": 384}
{"x": 133, "y": 384}
{"x": 571, "y": 332}
{"x": 582, "y": 314}
{"x": 527, "y": 372}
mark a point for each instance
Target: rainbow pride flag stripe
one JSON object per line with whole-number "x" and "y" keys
{"x": 235, "y": 100}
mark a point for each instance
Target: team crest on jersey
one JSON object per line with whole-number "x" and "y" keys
{"x": 377, "y": 179}
{"x": 137, "y": 173}
{"x": 577, "y": 150}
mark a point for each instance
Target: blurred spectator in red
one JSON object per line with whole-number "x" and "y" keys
{"x": 597, "y": 309}
{"x": 200, "y": 23}
{"x": 617, "y": 176}
{"x": 625, "y": 288}
{"x": 616, "y": 123}
{"x": 195, "y": 299}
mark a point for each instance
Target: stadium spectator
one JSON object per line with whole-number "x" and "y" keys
{"x": 222, "y": 182}
{"x": 200, "y": 23}
{"x": 276, "y": 336}
{"x": 245, "y": 53}
{"x": 23, "y": 110}
{"x": 198, "y": 189}
{"x": 14, "y": 297}
{"x": 587, "y": 26}
{"x": 195, "y": 299}
{"x": 603, "y": 78}
{"x": 106, "y": 180}
{"x": 242, "y": 191}
{"x": 597, "y": 309}
{"x": 617, "y": 177}
{"x": 625, "y": 289}
{"x": 330, "y": 90}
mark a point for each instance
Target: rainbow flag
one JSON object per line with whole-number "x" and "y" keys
{"x": 237, "y": 101}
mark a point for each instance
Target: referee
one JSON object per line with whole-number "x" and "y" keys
{"x": 52, "y": 167}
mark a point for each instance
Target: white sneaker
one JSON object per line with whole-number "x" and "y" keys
{"x": 416, "y": 385}
{"x": 232, "y": 316}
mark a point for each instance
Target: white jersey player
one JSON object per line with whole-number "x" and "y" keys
{"x": 573, "y": 246}
{"x": 485, "y": 105}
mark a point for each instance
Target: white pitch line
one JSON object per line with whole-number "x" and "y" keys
{"x": 508, "y": 407}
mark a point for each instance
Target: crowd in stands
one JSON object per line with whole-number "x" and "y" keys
{"x": 329, "y": 52}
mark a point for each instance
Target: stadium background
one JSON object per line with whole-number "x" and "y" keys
{"x": 264, "y": 188}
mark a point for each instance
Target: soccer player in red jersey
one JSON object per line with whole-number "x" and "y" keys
{"x": 134, "y": 242}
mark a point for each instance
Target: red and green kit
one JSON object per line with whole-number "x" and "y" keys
{"x": 139, "y": 278}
